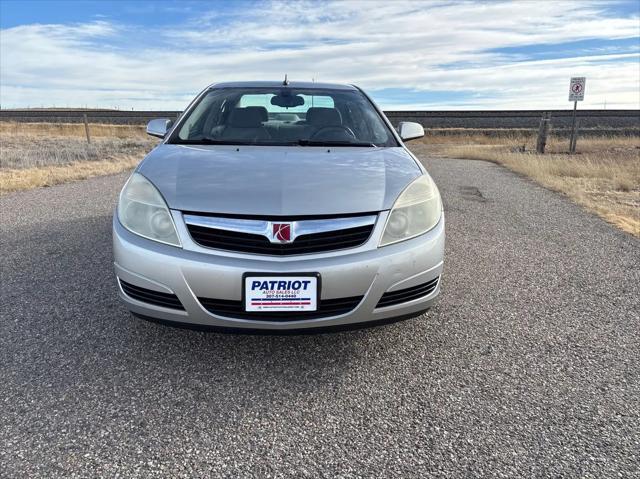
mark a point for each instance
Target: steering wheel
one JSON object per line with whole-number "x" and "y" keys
{"x": 324, "y": 133}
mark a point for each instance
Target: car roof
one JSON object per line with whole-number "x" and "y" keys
{"x": 275, "y": 84}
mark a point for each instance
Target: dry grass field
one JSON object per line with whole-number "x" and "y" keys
{"x": 45, "y": 154}
{"x": 603, "y": 176}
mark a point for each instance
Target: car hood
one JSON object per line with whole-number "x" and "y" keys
{"x": 279, "y": 181}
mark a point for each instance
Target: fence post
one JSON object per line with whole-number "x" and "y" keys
{"x": 574, "y": 137}
{"x": 543, "y": 130}
{"x": 86, "y": 128}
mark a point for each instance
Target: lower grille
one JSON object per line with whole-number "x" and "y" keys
{"x": 408, "y": 294}
{"x": 156, "y": 298}
{"x": 258, "y": 244}
{"x": 235, "y": 309}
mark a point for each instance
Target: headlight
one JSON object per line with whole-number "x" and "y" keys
{"x": 416, "y": 211}
{"x": 142, "y": 211}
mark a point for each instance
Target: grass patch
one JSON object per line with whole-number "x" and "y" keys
{"x": 27, "y": 178}
{"x": 44, "y": 154}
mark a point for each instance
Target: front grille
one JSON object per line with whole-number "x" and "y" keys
{"x": 235, "y": 309}
{"x": 258, "y": 244}
{"x": 152, "y": 297}
{"x": 408, "y": 294}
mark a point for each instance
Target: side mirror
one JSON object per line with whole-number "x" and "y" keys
{"x": 159, "y": 127}
{"x": 410, "y": 131}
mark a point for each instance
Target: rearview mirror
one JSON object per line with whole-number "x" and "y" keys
{"x": 410, "y": 131}
{"x": 287, "y": 100}
{"x": 159, "y": 127}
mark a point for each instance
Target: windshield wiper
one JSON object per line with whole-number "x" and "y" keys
{"x": 209, "y": 141}
{"x": 214, "y": 141}
{"x": 335, "y": 143}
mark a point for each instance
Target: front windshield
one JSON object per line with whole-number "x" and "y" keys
{"x": 284, "y": 116}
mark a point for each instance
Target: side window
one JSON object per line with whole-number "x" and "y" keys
{"x": 318, "y": 102}
{"x": 375, "y": 126}
{"x": 255, "y": 100}
{"x": 356, "y": 119}
{"x": 194, "y": 124}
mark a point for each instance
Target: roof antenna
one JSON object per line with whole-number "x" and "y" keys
{"x": 285, "y": 82}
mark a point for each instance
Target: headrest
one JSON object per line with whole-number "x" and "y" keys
{"x": 288, "y": 117}
{"x": 323, "y": 116}
{"x": 249, "y": 117}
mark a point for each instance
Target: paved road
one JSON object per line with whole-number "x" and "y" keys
{"x": 529, "y": 365}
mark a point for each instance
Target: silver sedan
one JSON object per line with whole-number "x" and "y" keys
{"x": 279, "y": 206}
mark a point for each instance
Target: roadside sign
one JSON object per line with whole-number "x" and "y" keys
{"x": 576, "y": 94}
{"x": 576, "y": 88}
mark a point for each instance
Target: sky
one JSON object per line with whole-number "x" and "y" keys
{"x": 437, "y": 55}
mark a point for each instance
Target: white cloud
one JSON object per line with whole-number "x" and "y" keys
{"x": 400, "y": 45}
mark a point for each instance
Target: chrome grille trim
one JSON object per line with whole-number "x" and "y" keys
{"x": 264, "y": 228}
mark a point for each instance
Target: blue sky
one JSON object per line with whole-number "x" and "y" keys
{"x": 437, "y": 54}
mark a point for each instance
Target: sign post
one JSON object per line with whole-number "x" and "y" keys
{"x": 576, "y": 94}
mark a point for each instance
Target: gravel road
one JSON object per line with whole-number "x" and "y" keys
{"x": 528, "y": 366}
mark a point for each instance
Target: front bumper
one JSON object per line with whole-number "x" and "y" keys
{"x": 194, "y": 272}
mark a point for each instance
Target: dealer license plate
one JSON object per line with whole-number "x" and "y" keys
{"x": 280, "y": 293}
